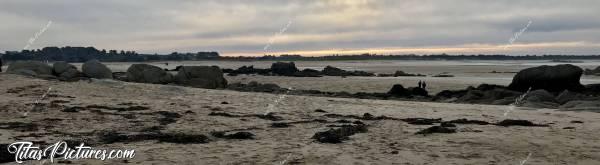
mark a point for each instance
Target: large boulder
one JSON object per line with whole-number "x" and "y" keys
{"x": 65, "y": 71}
{"x": 551, "y": 78}
{"x": 95, "y": 69}
{"x": 210, "y": 77}
{"x": 284, "y": 69}
{"x": 29, "y": 68}
{"x": 144, "y": 73}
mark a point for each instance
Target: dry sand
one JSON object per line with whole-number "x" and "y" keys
{"x": 386, "y": 142}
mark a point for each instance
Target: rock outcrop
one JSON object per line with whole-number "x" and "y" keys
{"x": 95, "y": 69}
{"x": 210, "y": 77}
{"x": 551, "y": 78}
{"x": 144, "y": 73}
{"x": 284, "y": 69}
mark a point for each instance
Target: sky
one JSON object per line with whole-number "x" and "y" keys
{"x": 306, "y": 27}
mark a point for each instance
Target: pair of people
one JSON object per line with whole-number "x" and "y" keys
{"x": 422, "y": 84}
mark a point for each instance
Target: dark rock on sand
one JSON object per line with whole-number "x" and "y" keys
{"x": 540, "y": 99}
{"x": 308, "y": 73}
{"x": 333, "y": 71}
{"x": 399, "y": 90}
{"x": 95, "y": 69}
{"x": 467, "y": 121}
{"x": 284, "y": 69}
{"x": 551, "y": 78}
{"x": 421, "y": 121}
{"x": 320, "y": 111}
{"x": 66, "y": 72}
{"x": 437, "y": 129}
{"x": 579, "y": 105}
{"x": 237, "y": 135}
{"x": 210, "y": 77}
{"x": 144, "y": 73}
{"x": 29, "y": 68}
{"x": 567, "y": 96}
{"x": 338, "y": 135}
{"x": 511, "y": 122}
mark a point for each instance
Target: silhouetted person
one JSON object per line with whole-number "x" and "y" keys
{"x": 424, "y": 84}
{"x": 0, "y": 64}
{"x": 419, "y": 83}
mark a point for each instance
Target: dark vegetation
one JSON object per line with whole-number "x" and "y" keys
{"x": 82, "y": 54}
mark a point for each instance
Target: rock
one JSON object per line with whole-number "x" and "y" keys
{"x": 29, "y": 67}
{"x": 567, "y": 96}
{"x": 70, "y": 75}
{"x": 61, "y": 67}
{"x": 144, "y": 73}
{"x": 308, "y": 73}
{"x": 416, "y": 91}
{"x": 511, "y": 122}
{"x": 539, "y": 95}
{"x": 437, "y": 129}
{"x": 540, "y": 99}
{"x": 210, "y": 77}
{"x": 284, "y": 69}
{"x": 339, "y": 135}
{"x": 593, "y": 106}
{"x": 489, "y": 95}
{"x": 66, "y": 71}
{"x": 399, "y": 90}
{"x": 333, "y": 71}
{"x": 95, "y": 69}
{"x": 551, "y": 78}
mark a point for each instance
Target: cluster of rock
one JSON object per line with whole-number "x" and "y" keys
{"x": 538, "y": 87}
{"x": 194, "y": 76}
{"x": 400, "y": 73}
{"x": 290, "y": 69}
{"x": 60, "y": 70}
{"x": 595, "y": 72}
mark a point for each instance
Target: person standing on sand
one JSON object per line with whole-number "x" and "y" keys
{"x": 0, "y": 64}
{"x": 419, "y": 83}
{"x": 424, "y": 84}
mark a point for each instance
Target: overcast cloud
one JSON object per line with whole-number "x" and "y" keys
{"x": 244, "y": 27}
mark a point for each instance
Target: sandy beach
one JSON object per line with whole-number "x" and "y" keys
{"x": 386, "y": 141}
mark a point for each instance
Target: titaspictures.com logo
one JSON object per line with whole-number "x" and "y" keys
{"x": 61, "y": 151}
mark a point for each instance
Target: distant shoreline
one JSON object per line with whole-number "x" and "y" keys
{"x": 82, "y": 54}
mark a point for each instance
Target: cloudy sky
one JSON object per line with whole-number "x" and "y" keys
{"x": 319, "y": 27}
